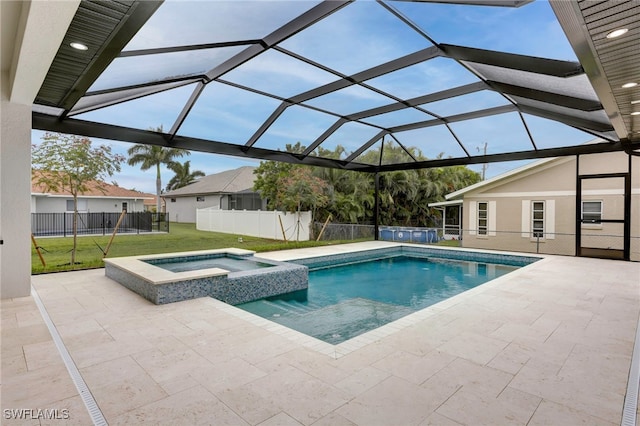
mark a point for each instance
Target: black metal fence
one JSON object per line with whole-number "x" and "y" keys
{"x": 61, "y": 224}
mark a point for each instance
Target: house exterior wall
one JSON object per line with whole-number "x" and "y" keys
{"x": 15, "y": 181}
{"x": 512, "y": 230}
{"x": 96, "y": 205}
{"x": 510, "y": 208}
{"x": 34, "y": 41}
{"x": 183, "y": 209}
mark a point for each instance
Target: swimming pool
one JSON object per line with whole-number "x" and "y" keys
{"x": 362, "y": 293}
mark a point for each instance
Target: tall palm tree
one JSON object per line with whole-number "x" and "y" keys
{"x": 183, "y": 175}
{"x": 149, "y": 156}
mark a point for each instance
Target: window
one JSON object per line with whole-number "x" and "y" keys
{"x": 246, "y": 201}
{"x": 173, "y": 200}
{"x": 83, "y": 205}
{"x": 482, "y": 218}
{"x": 124, "y": 207}
{"x": 537, "y": 223}
{"x": 199, "y": 199}
{"x": 591, "y": 211}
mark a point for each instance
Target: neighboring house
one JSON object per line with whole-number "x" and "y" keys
{"x": 100, "y": 197}
{"x": 229, "y": 190}
{"x": 150, "y": 204}
{"x": 535, "y": 209}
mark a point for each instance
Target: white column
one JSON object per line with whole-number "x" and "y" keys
{"x": 15, "y": 197}
{"x": 34, "y": 31}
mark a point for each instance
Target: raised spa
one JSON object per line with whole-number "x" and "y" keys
{"x": 231, "y": 275}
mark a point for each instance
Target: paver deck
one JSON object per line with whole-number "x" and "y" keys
{"x": 549, "y": 344}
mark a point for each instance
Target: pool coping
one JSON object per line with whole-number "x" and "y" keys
{"x": 377, "y": 334}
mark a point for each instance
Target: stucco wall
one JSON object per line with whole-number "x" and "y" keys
{"x": 183, "y": 209}
{"x": 509, "y": 233}
{"x": 95, "y": 205}
{"x": 510, "y": 203}
{"x": 15, "y": 181}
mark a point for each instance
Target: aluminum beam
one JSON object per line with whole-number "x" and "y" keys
{"x": 513, "y": 61}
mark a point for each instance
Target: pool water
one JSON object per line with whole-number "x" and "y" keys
{"x": 228, "y": 263}
{"x": 345, "y": 301}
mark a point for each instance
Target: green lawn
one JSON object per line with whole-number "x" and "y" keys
{"x": 182, "y": 237}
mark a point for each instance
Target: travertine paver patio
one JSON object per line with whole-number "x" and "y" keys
{"x": 549, "y": 344}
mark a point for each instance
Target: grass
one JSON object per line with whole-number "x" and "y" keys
{"x": 182, "y": 237}
{"x": 449, "y": 243}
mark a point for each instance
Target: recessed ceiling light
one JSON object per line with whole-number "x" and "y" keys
{"x": 78, "y": 46}
{"x": 628, "y": 85}
{"x": 635, "y": 113}
{"x": 617, "y": 33}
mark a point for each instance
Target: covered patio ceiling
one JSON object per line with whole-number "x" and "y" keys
{"x": 248, "y": 78}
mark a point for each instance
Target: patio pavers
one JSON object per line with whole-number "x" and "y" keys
{"x": 549, "y": 344}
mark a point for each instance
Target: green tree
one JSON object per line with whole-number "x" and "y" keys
{"x": 183, "y": 175}
{"x": 270, "y": 173}
{"x": 404, "y": 195}
{"x": 300, "y": 190}
{"x": 149, "y": 156}
{"x": 70, "y": 163}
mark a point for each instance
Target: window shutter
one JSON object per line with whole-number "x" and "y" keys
{"x": 473, "y": 210}
{"x": 492, "y": 218}
{"x": 526, "y": 219}
{"x": 550, "y": 220}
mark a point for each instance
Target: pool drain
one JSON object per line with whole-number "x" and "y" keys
{"x": 629, "y": 412}
{"x": 92, "y": 407}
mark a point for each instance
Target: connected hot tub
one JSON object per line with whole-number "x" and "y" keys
{"x": 232, "y": 275}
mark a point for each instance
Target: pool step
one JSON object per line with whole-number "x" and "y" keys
{"x": 292, "y": 306}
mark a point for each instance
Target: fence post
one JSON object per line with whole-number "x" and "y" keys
{"x": 64, "y": 224}
{"x": 538, "y": 244}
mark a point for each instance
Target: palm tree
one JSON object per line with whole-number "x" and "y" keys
{"x": 152, "y": 155}
{"x": 183, "y": 175}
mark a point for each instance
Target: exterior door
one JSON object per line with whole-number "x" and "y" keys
{"x": 603, "y": 205}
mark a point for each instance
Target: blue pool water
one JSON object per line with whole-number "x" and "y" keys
{"x": 345, "y": 301}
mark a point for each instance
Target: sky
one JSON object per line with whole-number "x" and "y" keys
{"x": 355, "y": 38}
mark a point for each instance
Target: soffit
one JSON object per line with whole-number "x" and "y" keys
{"x": 609, "y": 62}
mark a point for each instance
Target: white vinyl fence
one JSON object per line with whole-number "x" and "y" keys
{"x": 263, "y": 224}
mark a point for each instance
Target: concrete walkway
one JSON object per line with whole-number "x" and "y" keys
{"x": 550, "y": 344}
